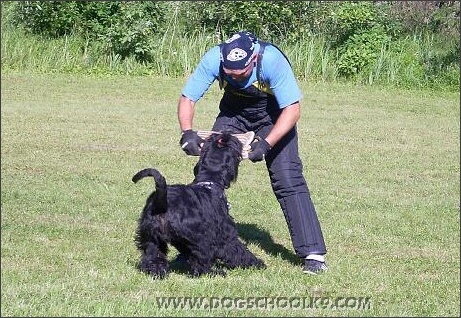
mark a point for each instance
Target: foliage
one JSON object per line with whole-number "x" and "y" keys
{"x": 436, "y": 16}
{"x": 47, "y": 18}
{"x": 124, "y": 28}
{"x": 360, "y": 50}
{"x": 270, "y": 20}
{"x": 445, "y": 19}
{"x": 132, "y": 33}
{"x": 360, "y": 33}
{"x": 325, "y": 40}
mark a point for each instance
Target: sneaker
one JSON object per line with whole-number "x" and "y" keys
{"x": 313, "y": 267}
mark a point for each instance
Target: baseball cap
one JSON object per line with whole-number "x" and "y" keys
{"x": 237, "y": 51}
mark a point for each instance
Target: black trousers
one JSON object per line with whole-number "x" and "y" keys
{"x": 288, "y": 183}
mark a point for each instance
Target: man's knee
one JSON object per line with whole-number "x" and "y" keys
{"x": 285, "y": 185}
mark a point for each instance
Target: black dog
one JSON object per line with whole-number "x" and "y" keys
{"x": 194, "y": 218}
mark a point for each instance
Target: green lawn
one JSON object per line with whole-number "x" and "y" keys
{"x": 382, "y": 167}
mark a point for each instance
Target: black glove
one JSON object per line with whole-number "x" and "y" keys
{"x": 259, "y": 149}
{"x": 191, "y": 142}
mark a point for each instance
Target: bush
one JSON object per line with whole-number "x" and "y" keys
{"x": 125, "y": 28}
{"x": 359, "y": 33}
{"x": 268, "y": 20}
{"x": 367, "y": 41}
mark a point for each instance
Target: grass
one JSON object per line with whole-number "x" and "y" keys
{"x": 382, "y": 166}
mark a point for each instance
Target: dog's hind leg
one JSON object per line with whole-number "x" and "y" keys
{"x": 153, "y": 260}
{"x": 235, "y": 254}
{"x": 199, "y": 267}
{"x": 201, "y": 263}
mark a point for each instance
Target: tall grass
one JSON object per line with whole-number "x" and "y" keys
{"x": 175, "y": 55}
{"x": 404, "y": 64}
{"x": 411, "y": 63}
{"x": 312, "y": 59}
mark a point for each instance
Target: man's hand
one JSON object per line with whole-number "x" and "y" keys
{"x": 259, "y": 149}
{"x": 191, "y": 143}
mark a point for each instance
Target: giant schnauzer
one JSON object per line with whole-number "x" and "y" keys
{"x": 194, "y": 218}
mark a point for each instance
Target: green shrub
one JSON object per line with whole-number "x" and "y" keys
{"x": 269, "y": 20}
{"x": 361, "y": 50}
{"x": 359, "y": 34}
{"x": 125, "y": 28}
{"x": 367, "y": 42}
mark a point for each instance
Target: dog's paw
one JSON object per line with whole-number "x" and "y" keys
{"x": 195, "y": 274}
{"x": 255, "y": 263}
{"x": 159, "y": 275}
{"x": 218, "y": 272}
{"x": 260, "y": 264}
{"x": 155, "y": 273}
{"x": 211, "y": 273}
{"x": 157, "y": 270}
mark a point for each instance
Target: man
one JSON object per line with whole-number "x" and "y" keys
{"x": 261, "y": 94}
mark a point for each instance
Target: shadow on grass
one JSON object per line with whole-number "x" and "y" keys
{"x": 251, "y": 233}
{"x": 179, "y": 265}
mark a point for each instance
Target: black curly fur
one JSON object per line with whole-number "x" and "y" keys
{"x": 194, "y": 218}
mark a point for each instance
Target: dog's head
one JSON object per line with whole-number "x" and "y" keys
{"x": 219, "y": 159}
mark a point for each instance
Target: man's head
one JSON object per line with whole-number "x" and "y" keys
{"x": 237, "y": 51}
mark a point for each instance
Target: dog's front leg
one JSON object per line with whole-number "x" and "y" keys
{"x": 154, "y": 261}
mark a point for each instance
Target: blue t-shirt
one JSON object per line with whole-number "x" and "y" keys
{"x": 275, "y": 71}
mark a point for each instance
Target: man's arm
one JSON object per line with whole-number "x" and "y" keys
{"x": 197, "y": 85}
{"x": 186, "y": 109}
{"x": 286, "y": 121}
{"x": 190, "y": 141}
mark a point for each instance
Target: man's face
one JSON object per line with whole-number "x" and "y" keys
{"x": 240, "y": 75}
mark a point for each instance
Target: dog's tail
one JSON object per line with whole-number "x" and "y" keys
{"x": 160, "y": 198}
